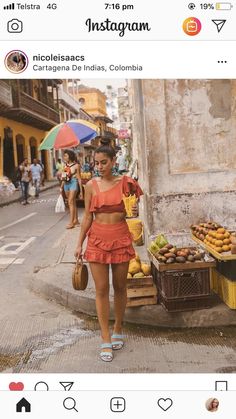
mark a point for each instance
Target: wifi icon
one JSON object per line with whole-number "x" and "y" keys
{"x": 10, "y": 6}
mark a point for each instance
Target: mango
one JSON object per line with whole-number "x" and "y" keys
{"x": 146, "y": 269}
{"x": 139, "y": 275}
{"x": 134, "y": 268}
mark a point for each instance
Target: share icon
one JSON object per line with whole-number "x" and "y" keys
{"x": 67, "y": 385}
{"x": 219, "y": 23}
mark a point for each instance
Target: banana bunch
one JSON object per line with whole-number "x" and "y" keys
{"x": 129, "y": 202}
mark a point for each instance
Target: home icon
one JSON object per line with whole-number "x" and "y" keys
{"x": 23, "y": 406}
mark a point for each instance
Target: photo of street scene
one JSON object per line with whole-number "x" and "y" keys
{"x": 138, "y": 177}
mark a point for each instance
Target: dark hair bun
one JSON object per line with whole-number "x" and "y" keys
{"x": 106, "y": 149}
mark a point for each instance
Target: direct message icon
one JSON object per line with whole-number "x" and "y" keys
{"x": 165, "y": 404}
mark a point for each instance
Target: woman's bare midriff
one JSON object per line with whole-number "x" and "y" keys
{"x": 112, "y": 218}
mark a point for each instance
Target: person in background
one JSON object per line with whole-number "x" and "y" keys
{"x": 17, "y": 178}
{"x": 25, "y": 180}
{"x": 122, "y": 165}
{"x": 36, "y": 173}
{"x": 43, "y": 173}
{"x": 91, "y": 166}
{"x": 71, "y": 184}
{"x": 59, "y": 169}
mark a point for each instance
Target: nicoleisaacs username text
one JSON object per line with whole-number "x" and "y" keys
{"x": 58, "y": 57}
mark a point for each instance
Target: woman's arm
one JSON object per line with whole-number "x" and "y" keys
{"x": 87, "y": 219}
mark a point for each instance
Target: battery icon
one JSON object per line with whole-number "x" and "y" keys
{"x": 224, "y": 6}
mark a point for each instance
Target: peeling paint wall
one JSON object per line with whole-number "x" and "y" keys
{"x": 186, "y": 136}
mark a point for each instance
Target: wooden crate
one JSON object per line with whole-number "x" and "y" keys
{"x": 141, "y": 291}
{"x": 198, "y": 264}
{"x": 224, "y": 256}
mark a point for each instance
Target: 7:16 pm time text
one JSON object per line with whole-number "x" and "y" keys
{"x": 118, "y": 6}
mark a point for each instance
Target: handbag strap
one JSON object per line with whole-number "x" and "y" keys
{"x": 79, "y": 261}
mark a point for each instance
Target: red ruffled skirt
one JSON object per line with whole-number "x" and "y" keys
{"x": 109, "y": 243}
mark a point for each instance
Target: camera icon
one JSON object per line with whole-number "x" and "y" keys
{"x": 15, "y": 26}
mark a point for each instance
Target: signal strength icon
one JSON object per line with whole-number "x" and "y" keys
{"x": 10, "y": 6}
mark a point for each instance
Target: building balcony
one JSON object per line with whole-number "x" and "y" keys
{"x": 68, "y": 101}
{"x": 5, "y": 96}
{"x": 30, "y": 111}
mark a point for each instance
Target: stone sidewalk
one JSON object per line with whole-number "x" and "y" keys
{"x": 54, "y": 282}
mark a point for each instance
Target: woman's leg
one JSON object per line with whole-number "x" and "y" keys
{"x": 26, "y": 191}
{"x": 71, "y": 203}
{"x": 25, "y": 186}
{"x": 75, "y": 213}
{"x": 119, "y": 279}
{"x": 100, "y": 273}
{"x": 22, "y": 191}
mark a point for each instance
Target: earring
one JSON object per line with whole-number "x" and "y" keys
{"x": 114, "y": 171}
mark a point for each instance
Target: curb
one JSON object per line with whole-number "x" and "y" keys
{"x": 3, "y": 204}
{"x": 55, "y": 283}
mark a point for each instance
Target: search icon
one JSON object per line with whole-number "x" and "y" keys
{"x": 69, "y": 404}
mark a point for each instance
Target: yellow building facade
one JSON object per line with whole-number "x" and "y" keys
{"x": 28, "y": 110}
{"x": 18, "y": 141}
{"x": 93, "y": 101}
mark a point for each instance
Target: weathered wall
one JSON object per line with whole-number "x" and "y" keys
{"x": 187, "y": 151}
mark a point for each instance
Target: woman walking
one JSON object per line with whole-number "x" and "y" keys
{"x": 26, "y": 178}
{"x": 71, "y": 184}
{"x": 109, "y": 243}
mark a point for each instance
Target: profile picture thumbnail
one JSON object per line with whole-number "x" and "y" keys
{"x": 16, "y": 61}
{"x": 212, "y": 405}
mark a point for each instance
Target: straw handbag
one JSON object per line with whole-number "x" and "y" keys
{"x": 80, "y": 276}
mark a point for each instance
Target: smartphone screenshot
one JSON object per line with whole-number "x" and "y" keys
{"x": 117, "y": 209}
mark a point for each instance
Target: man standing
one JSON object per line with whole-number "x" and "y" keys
{"x": 36, "y": 171}
{"x": 25, "y": 180}
{"x": 121, "y": 161}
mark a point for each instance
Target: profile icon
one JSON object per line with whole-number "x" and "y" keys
{"x": 16, "y": 61}
{"x": 212, "y": 405}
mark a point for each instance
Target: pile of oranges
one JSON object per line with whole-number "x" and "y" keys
{"x": 219, "y": 240}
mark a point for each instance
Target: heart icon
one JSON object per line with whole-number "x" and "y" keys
{"x": 16, "y": 386}
{"x": 165, "y": 404}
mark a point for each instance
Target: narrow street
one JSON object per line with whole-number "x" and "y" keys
{"x": 38, "y": 335}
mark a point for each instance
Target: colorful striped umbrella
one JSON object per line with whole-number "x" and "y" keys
{"x": 69, "y": 134}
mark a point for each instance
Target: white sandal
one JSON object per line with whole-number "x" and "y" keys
{"x": 106, "y": 356}
{"x": 117, "y": 344}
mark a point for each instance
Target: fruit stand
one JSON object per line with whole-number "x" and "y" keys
{"x": 141, "y": 289}
{"x": 182, "y": 275}
{"x": 220, "y": 243}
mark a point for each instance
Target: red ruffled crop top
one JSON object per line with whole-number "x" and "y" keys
{"x": 112, "y": 200}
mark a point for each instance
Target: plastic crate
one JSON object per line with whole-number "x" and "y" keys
{"x": 225, "y": 288}
{"x": 187, "y": 304}
{"x": 228, "y": 269}
{"x": 181, "y": 284}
